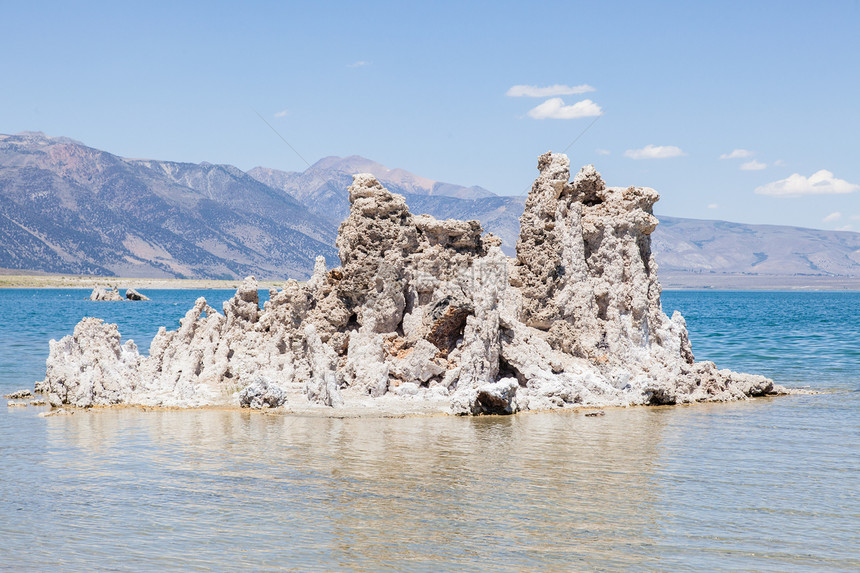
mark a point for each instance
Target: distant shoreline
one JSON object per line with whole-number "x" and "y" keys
{"x": 122, "y": 283}
{"x": 670, "y": 282}
{"x": 727, "y": 282}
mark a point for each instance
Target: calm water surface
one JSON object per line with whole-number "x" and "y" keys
{"x": 764, "y": 485}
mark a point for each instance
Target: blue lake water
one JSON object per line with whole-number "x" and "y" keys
{"x": 762, "y": 485}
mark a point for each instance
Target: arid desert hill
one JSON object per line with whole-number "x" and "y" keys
{"x": 69, "y": 208}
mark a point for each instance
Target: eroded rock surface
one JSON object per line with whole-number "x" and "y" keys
{"x": 262, "y": 394}
{"x": 131, "y": 294}
{"x": 19, "y": 395}
{"x": 431, "y": 315}
{"x": 103, "y": 294}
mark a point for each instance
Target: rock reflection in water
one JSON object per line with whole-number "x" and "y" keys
{"x": 523, "y": 491}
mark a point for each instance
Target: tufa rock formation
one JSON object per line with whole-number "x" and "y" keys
{"x": 430, "y": 315}
{"x": 132, "y": 294}
{"x": 103, "y": 294}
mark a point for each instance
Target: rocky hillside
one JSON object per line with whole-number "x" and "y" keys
{"x": 322, "y": 188}
{"x": 721, "y": 254}
{"x": 69, "y": 208}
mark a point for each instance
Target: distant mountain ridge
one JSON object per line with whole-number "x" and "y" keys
{"x": 69, "y": 208}
{"x": 322, "y": 189}
{"x": 722, "y": 254}
{"x": 704, "y": 246}
{"x": 401, "y": 179}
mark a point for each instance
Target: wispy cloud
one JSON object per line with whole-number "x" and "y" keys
{"x": 654, "y": 152}
{"x": 282, "y": 113}
{"x": 753, "y": 166}
{"x": 602, "y": 151}
{"x": 835, "y": 216}
{"x": 845, "y": 228}
{"x": 780, "y": 163}
{"x": 555, "y": 108}
{"x": 713, "y": 206}
{"x": 737, "y": 154}
{"x": 819, "y": 183}
{"x": 358, "y": 64}
{"x": 548, "y": 91}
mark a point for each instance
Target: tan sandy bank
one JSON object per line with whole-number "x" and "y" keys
{"x": 24, "y": 280}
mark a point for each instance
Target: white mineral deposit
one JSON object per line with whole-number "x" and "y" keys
{"x": 426, "y": 316}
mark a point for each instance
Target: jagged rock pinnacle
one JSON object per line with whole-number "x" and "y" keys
{"x": 430, "y": 315}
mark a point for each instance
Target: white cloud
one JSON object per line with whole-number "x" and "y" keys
{"x": 713, "y": 206}
{"x": 358, "y": 64}
{"x": 554, "y": 108}
{"x": 737, "y": 154}
{"x": 819, "y": 183}
{"x": 835, "y": 216}
{"x": 780, "y": 163}
{"x": 282, "y": 113}
{"x": 753, "y": 166}
{"x": 549, "y": 91}
{"x": 654, "y": 152}
{"x": 602, "y": 151}
{"x": 845, "y": 228}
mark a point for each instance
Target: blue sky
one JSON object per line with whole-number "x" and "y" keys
{"x": 670, "y": 87}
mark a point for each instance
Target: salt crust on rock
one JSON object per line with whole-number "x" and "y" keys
{"x": 102, "y": 294}
{"x": 427, "y": 315}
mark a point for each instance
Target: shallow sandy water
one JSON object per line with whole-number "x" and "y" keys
{"x": 764, "y": 485}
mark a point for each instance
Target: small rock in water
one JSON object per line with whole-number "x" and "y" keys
{"x": 497, "y": 397}
{"x": 261, "y": 394}
{"x": 19, "y": 395}
{"x": 102, "y": 294}
{"x": 12, "y": 404}
{"x": 56, "y": 412}
{"x": 595, "y": 414}
{"x": 132, "y": 294}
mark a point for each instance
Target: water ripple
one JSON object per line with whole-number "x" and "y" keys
{"x": 764, "y": 485}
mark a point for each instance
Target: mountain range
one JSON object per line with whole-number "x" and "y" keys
{"x": 322, "y": 189}
{"x": 69, "y": 208}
